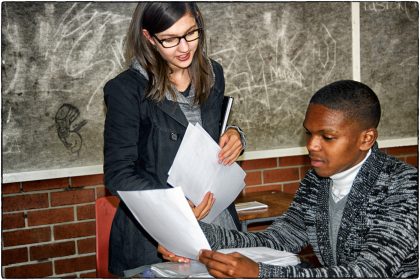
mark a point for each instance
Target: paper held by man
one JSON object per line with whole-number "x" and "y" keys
{"x": 165, "y": 213}
{"x": 195, "y": 269}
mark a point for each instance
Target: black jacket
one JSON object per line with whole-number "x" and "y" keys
{"x": 141, "y": 139}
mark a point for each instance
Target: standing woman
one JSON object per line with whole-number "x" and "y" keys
{"x": 169, "y": 83}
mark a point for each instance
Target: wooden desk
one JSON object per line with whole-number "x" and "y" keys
{"x": 278, "y": 203}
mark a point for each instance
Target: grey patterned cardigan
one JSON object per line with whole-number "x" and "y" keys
{"x": 378, "y": 237}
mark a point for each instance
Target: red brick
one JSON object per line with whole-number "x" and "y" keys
{"x": 61, "y": 249}
{"x": 22, "y": 202}
{"x": 38, "y": 270}
{"x": 280, "y": 175}
{"x": 75, "y": 264}
{"x": 12, "y": 256}
{"x": 50, "y": 216}
{"x": 253, "y": 178}
{"x": 87, "y": 245}
{"x": 72, "y": 197}
{"x": 74, "y": 230}
{"x": 11, "y": 221}
{"x": 291, "y": 187}
{"x": 259, "y": 163}
{"x": 413, "y": 160}
{"x": 294, "y": 160}
{"x": 88, "y": 275}
{"x": 51, "y": 184}
{"x": 28, "y": 236}
{"x": 86, "y": 212}
{"x": 90, "y": 180}
{"x": 264, "y": 188}
{"x": 408, "y": 150}
{"x": 10, "y": 188}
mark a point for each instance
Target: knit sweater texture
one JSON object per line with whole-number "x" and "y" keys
{"x": 378, "y": 237}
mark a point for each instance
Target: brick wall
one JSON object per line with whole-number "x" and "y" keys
{"x": 48, "y": 227}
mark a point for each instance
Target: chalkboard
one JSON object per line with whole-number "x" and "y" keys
{"x": 56, "y": 57}
{"x": 275, "y": 55}
{"x": 389, "y": 63}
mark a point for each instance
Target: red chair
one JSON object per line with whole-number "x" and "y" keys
{"x": 105, "y": 208}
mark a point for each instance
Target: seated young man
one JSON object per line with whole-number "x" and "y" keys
{"x": 356, "y": 207}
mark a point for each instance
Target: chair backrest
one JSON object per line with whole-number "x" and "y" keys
{"x": 105, "y": 208}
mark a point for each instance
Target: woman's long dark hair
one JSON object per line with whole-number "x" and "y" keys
{"x": 156, "y": 17}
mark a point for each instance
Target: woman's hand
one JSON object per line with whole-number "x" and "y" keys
{"x": 203, "y": 209}
{"x": 169, "y": 256}
{"x": 233, "y": 265}
{"x": 231, "y": 145}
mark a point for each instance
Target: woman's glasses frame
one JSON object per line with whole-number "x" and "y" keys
{"x": 166, "y": 43}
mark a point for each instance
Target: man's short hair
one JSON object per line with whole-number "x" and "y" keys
{"x": 356, "y": 100}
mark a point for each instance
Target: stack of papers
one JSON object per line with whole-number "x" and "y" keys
{"x": 196, "y": 170}
{"x": 195, "y": 269}
{"x": 251, "y": 205}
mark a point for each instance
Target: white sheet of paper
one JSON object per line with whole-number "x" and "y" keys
{"x": 167, "y": 217}
{"x": 265, "y": 255}
{"x": 196, "y": 269}
{"x": 196, "y": 170}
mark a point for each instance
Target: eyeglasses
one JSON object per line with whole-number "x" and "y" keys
{"x": 174, "y": 41}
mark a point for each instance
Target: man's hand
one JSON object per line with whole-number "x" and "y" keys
{"x": 232, "y": 265}
{"x": 231, "y": 145}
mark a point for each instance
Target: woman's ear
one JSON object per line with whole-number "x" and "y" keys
{"x": 148, "y": 37}
{"x": 368, "y": 138}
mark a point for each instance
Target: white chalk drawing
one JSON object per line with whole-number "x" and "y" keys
{"x": 409, "y": 8}
{"x": 274, "y": 57}
{"x": 271, "y": 78}
{"x": 63, "y": 54}
{"x": 82, "y": 31}
{"x": 410, "y": 61}
{"x": 11, "y": 143}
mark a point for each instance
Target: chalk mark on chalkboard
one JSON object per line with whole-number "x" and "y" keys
{"x": 68, "y": 133}
{"x": 84, "y": 36}
{"x": 257, "y": 74}
{"x": 330, "y": 48}
{"x": 11, "y": 144}
{"x": 410, "y": 9}
{"x": 410, "y": 61}
{"x": 12, "y": 33}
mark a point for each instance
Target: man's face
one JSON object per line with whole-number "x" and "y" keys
{"x": 333, "y": 142}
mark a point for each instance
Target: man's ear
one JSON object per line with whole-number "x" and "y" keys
{"x": 148, "y": 36}
{"x": 368, "y": 138}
